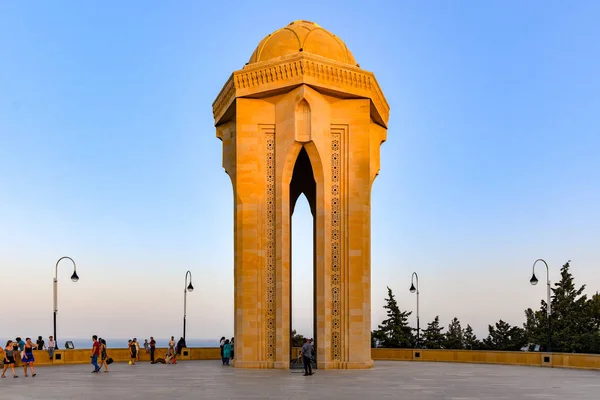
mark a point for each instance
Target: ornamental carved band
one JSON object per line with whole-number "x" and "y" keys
{"x": 270, "y": 239}
{"x": 338, "y": 137}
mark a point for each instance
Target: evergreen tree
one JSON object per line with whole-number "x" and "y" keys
{"x": 470, "y": 341}
{"x": 394, "y": 332}
{"x": 503, "y": 336}
{"x": 454, "y": 335}
{"x": 433, "y": 338}
{"x": 571, "y": 318}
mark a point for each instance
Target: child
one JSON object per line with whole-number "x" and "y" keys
{"x": 226, "y": 352}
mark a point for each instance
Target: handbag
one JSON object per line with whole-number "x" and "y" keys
{"x": 109, "y": 361}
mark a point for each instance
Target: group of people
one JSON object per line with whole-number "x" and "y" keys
{"x": 227, "y": 350}
{"x": 99, "y": 351}
{"x": 19, "y": 350}
{"x": 22, "y": 351}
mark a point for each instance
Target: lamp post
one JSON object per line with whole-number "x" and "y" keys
{"x": 413, "y": 290}
{"x": 74, "y": 278}
{"x": 188, "y": 288}
{"x": 534, "y": 281}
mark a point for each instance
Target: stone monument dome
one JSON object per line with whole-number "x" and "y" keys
{"x": 302, "y": 36}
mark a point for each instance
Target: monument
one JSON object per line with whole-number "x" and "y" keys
{"x": 302, "y": 117}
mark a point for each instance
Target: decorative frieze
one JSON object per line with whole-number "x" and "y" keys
{"x": 297, "y": 69}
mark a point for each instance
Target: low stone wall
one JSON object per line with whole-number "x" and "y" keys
{"x": 557, "y": 360}
{"x": 83, "y": 356}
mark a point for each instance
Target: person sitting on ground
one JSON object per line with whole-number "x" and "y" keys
{"x": 167, "y": 360}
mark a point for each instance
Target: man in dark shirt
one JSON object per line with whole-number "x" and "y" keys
{"x": 306, "y": 355}
{"x": 152, "y": 348}
{"x": 95, "y": 354}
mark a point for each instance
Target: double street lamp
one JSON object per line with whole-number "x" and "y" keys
{"x": 187, "y": 288}
{"x": 74, "y": 278}
{"x": 413, "y": 290}
{"x": 534, "y": 281}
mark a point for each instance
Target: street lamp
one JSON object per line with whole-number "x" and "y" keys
{"x": 534, "y": 281}
{"x": 74, "y": 278}
{"x": 188, "y": 288}
{"x": 413, "y": 290}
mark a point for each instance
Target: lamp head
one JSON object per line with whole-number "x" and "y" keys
{"x": 74, "y": 277}
{"x": 412, "y": 288}
{"x": 190, "y": 288}
{"x": 533, "y": 280}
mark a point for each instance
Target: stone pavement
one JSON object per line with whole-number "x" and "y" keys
{"x": 388, "y": 380}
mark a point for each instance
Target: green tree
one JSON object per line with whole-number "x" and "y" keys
{"x": 503, "y": 336}
{"x": 393, "y": 332}
{"x": 297, "y": 339}
{"x": 572, "y": 319}
{"x": 433, "y": 338}
{"x": 470, "y": 341}
{"x": 454, "y": 335}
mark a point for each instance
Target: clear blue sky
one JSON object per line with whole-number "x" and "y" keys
{"x": 108, "y": 154}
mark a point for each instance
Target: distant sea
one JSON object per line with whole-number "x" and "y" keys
{"x": 122, "y": 343}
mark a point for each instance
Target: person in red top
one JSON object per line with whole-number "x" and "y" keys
{"x": 95, "y": 354}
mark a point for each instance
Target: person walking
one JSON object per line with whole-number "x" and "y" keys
{"x": 152, "y": 348}
{"x": 27, "y": 357}
{"x": 306, "y": 354}
{"x": 103, "y": 355}
{"x": 51, "y": 347}
{"x": 226, "y": 352}
{"x": 9, "y": 359}
{"x": 95, "y": 354}
{"x": 132, "y": 352}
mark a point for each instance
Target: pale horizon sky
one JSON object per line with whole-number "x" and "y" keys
{"x": 108, "y": 155}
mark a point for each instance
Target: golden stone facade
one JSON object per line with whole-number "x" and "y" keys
{"x": 302, "y": 117}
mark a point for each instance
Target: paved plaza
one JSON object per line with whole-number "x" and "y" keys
{"x": 388, "y": 380}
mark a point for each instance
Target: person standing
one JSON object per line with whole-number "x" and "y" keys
{"x": 306, "y": 354}
{"x": 103, "y": 355}
{"x": 181, "y": 345}
{"x": 132, "y": 352}
{"x": 51, "y": 347}
{"x": 172, "y": 346}
{"x": 232, "y": 349}
{"x": 226, "y": 352}
{"x": 9, "y": 359}
{"x": 137, "y": 349}
{"x": 221, "y": 344}
{"x": 146, "y": 346}
{"x": 152, "y": 348}
{"x": 28, "y": 358}
{"x": 95, "y": 354}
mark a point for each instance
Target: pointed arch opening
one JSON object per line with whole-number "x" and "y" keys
{"x": 303, "y": 249}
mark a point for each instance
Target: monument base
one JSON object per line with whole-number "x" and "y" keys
{"x": 346, "y": 365}
{"x": 253, "y": 364}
